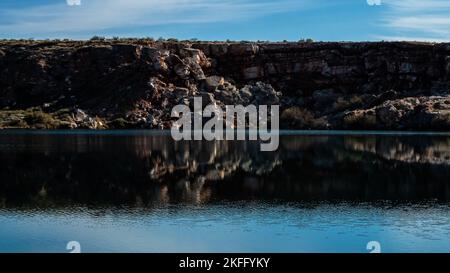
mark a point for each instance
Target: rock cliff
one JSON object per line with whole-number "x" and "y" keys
{"x": 135, "y": 83}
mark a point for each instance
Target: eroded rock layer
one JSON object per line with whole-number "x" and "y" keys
{"x": 135, "y": 84}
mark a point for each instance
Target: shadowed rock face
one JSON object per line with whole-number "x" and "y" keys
{"x": 117, "y": 84}
{"x": 147, "y": 169}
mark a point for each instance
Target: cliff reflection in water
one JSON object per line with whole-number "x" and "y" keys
{"x": 144, "y": 169}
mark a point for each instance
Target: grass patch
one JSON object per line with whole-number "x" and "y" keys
{"x": 40, "y": 120}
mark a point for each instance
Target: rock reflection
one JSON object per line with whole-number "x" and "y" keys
{"x": 148, "y": 169}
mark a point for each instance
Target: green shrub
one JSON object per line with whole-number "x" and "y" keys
{"x": 309, "y": 40}
{"x": 119, "y": 123}
{"x": 98, "y": 38}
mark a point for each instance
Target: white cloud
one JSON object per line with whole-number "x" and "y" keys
{"x": 428, "y": 19}
{"x": 411, "y": 39}
{"x": 98, "y": 15}
{"x": 374, "y": 2}
{"x": 73, "y": 2}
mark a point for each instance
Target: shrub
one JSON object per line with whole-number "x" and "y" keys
{"x": 296, "y": 117}
{"x": 17, "y": 123}
{"x": 98, "y": 38}
{"x": 360, "y": 120}
{"x": 39, "y": 119}
{"x": 309, "y": 40}
{"x": 119, "y": 123}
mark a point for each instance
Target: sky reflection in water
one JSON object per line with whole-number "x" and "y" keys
{"x": 143, "y": 193}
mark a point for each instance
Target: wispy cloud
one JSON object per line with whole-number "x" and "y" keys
{"x": 98, "y": 15}
{"x": 410, "y": 19}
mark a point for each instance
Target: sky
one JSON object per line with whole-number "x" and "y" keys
{"x": 274, "y": 20}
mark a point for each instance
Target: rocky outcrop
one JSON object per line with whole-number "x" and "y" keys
{"x": 422, "y": 113}
{"x": 135, "y": 84}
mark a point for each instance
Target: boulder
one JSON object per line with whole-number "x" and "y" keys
{"x": 83, "y": 120}
{"x": 79, "y": 115}
{"x": 392, "y": 112}
{"x": 213, "y": 82}
{"x": 183, "y": 71}
{"x": 196, "y": 70}
{"x": 156, "y": 58}
{"x": 227, "y": 94}
{"x": 259, "y": 93}
{"x": 196, "y": 55}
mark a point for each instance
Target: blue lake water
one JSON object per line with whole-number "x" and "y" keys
{"x": 141, "y": 192}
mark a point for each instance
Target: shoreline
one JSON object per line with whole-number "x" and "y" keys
{"x": 162, "y": 132}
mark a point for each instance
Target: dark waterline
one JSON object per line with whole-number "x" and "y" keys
{"x": 138, "y": 191}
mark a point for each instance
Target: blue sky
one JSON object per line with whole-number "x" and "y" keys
{"x": 276, "y": 20}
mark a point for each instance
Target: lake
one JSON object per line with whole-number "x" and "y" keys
{"x": 139, "y": 191}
